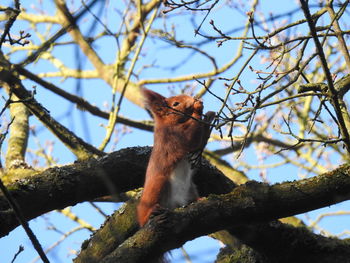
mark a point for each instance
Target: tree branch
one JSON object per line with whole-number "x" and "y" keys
{"x": 79, "y": 147}
{"x": 82, "y": 103}
{"x": 247, "y": 204}
{"x": 250, "y": 203}
{"x": 47, "y": 44}
{"x": 20, "y": 219}
{"x": 280, "y": 242}
{"x": 339, "y": 106}
{"x": 59, "y": 187}
{"x": 18, "y": 139}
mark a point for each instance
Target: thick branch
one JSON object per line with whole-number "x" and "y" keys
{"x": 17, "y": 143}
{"x": 114, "y": 173}
{"x": 114, "y": 231}
{"x": 284, "y": 243}
{"x": 246, "y": 204}
{"x": 249, "y": 203}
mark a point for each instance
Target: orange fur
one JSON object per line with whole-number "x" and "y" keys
{"x": 176, "y": 135}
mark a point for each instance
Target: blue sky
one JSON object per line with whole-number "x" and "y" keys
{"x": 98, "y": 93}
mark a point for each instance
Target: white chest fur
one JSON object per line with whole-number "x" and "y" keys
{"x": 182, "y": 189}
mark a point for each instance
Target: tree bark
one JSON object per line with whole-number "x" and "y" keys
{"x": 245, "y": 209}
{"x": 113, "y": 174}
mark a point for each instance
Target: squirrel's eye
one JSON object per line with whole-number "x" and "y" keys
{"x": 176, "y": 103}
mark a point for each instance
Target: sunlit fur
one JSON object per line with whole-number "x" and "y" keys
{"x": 177, "y": 133}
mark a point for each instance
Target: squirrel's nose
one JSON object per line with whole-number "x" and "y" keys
{"x": 197, "y": 98}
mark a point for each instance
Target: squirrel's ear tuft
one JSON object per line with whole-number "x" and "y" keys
{"x": 152, "y": 98}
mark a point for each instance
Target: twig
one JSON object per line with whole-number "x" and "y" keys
{"x": 3, "y": 136}
{"x": 13, "y": 13}
{"x": 341, "y": 41}
{"x": 302, "y": 140}
{"x": 20, "y": 217}
{"x": 20, "y": 250}
{"x": 81, "y": 103}
{"x": 63, "y": 237}
{"x": 333, "y": 94}
{"x": 77, "y": 145}
{"x": 114, "y": 114}
{"x": 46, "y": 45}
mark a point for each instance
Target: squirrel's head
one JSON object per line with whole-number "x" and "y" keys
{"x": 176, "y": 109}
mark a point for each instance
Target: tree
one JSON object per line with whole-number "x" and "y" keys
{"x": 278, "y": 82}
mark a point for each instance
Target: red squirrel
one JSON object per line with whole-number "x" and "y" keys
{"x": 179, "y": 132}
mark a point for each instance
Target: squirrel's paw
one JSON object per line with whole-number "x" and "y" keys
{"x": 160, "y": 214}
